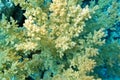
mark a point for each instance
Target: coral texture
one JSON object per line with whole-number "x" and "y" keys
{"x": 59, "y": 40}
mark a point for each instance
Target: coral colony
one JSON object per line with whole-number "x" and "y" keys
{"x": 59, "y": 40}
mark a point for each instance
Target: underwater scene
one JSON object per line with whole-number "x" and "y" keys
{"x": 59, "y": 39}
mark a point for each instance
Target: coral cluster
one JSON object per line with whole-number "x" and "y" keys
{"x": 58, "y": 40}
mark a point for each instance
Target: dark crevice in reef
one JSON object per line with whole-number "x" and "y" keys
{"x": 87, "y": 2}
{"x": 18, "y": 15}
{"x": 29, "y": 78}
{"x": 10, "y": 10}
{"x": 33, "y": 52}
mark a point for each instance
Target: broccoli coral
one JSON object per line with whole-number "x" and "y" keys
{"x": 56, "y": 41}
